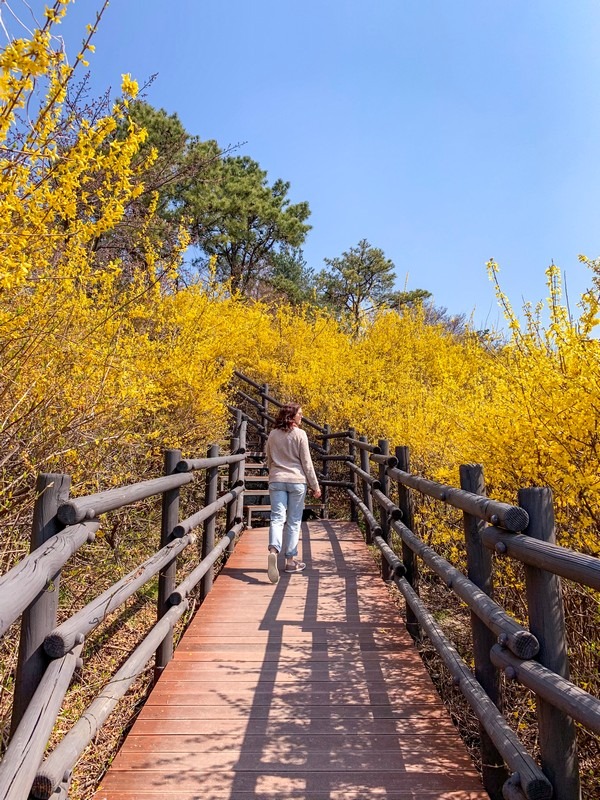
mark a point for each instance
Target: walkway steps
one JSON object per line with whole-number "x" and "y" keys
{"x": 310, "y": 688}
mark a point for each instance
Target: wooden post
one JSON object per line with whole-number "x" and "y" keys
{"x": 238, "y": 422}
{"x": 405, "y": 504}
{"x": 263, "y": 417}
{"x": 325, "y": 473}
{"x": 234, "y": 470}
{"x": 365, "y": 465}
{"x": 167, "y": 575}
{"x": 384, "y": 446}
{"x": 479, "y": 570}
{"x": 558, "y": 750}
{"x": 352, "y": 454}
{"x": 39, "y": 619}
{"x": 208, "y": 539}
{"x": 239, "y": 513}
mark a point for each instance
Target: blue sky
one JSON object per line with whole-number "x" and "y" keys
{"x": 443, "y": 132}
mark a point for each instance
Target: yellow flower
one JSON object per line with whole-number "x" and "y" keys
{"x": 129, "y": 87}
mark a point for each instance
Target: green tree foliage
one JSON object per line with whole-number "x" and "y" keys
{"x": 181, "y": 160}
{"x": 412, "y": 298}
{"x": 249, "y": 227}
{"x": 171, "y": 161}
{"x": 357, "y": 283}
{"x": 291, "y": 278}
{"x": 244, "y": 222}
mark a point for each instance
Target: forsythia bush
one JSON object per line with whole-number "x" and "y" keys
{"x": 527, "y": 409}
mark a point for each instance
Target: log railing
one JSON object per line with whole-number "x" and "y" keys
{"x": 534, "y": 656}
{"x": 382, "y": 492}
{"x": 49, "y": 654}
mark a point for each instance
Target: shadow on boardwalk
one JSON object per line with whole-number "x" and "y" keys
{"x": 309, "y": 688}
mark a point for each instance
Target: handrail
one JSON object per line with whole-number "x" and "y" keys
{"x": 305, "y": 420}
{"x": 531, "y": 778}
{"x": 576, "y": 702}
{"x": 248, "y": 419}
{"x": 374, "y": 526}
{"x": 21, "y": 585}
{"x": 513, "y": 518}
{"x": 186, "y": 586}
{"x": 380, "y": 498}
{"x": 245, "y": 378}
{"x": 517, "y": 638}
{"x": 496, "y": 526}
{"x": 186, "y": 525}
{"x": 65, "y": 755}
{"x": 384, "y": 460}
{"x": 365, "y": 476}
{"x": 370, "y": 448}
{"x": 265, "y": 396}
{"x": 250, "y": 400}
{"x": 92, "y": 505}
{"x": 74, "y": 630}
{"x": 561, "y": 561}
{"x": 193, "y": 464}
{"x": 41, "y": 697}
{"x": 27, "y": 745}
{"x": 514, "y": 636}
{"x": 336, "y": 435}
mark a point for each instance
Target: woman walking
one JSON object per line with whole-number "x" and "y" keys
{"x": 291, "y": 471}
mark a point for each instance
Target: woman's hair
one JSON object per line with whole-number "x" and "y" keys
{"x": 285, "y": 417}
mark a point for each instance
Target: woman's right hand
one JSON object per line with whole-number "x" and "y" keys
{"x": 316, "y": 493}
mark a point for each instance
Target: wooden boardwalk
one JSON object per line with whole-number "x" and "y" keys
{"x": 310, "y": 688}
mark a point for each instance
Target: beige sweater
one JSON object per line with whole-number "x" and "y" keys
{"x": 288, "y": 457}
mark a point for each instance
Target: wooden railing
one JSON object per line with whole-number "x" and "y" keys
{"x": 535, "y": 657}
{"x": 381, "y": 491}
{"x": 49, "y": 654}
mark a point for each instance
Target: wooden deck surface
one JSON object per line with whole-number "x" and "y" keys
{"x": 310, "y": 688}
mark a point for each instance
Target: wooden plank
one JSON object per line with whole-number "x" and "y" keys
{"x": 316, "y": 783}
{"x": 251, "y": 695}
{"x": 334, "y": 715}
{"x": 295, "y": 740}
{"x": 287, "y": 756}
{"x": 272, "y": 725}
{"x": 308, "y": 688}
{"x": 275, "y": 794}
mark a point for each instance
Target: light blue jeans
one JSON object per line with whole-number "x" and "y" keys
{"x": 287, "y": 504}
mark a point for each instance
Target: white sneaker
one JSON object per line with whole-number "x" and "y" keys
{"x": 272, "y": 570}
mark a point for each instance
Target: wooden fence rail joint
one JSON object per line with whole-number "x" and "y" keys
{"x": 520, "y": 641}
{"x": 91, "y": 506}
{"x": 512, "y": 518}
{"x": 363, "y": 445}
{"x": 561, "y": 692}
{"x": 59, "y": 641}
{"x": 384, "y": 460}
{"x": 533, "y": 781}
{"x": 384, "y": 502}
{"x": 562, "y": 561}
{"x": 397, "y": 567}
{"x": 21, "y": 585}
